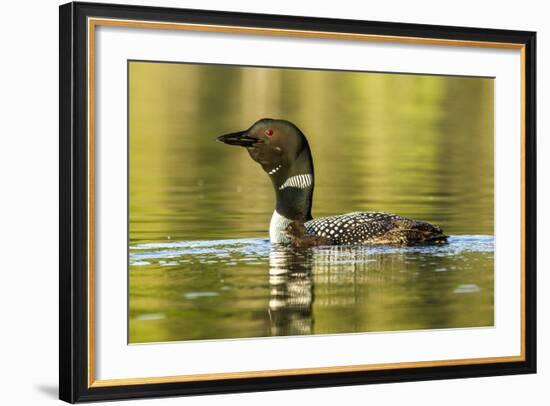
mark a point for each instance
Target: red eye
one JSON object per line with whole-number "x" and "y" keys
{"x": 269, "y": 132}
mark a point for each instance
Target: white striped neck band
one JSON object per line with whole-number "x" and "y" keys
{"x": 298, "y": 181}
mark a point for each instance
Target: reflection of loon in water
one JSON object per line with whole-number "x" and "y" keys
{"x": 284, "y": 154}
{"x": 291, "y": 286}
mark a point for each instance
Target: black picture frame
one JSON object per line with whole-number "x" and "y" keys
{"x": 74, "y": 385}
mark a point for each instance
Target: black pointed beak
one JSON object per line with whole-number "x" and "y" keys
{"x": 240, "y": 138}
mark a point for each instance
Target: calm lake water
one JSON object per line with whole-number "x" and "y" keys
{"x": 201, "y": 266}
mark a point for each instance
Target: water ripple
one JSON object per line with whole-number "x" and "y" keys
{"x": 259, "y": 250}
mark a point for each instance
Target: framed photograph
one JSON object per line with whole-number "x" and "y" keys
{"x": 256, "y": 202}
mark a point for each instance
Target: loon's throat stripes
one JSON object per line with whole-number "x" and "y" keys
{"x": 298, "y": 181}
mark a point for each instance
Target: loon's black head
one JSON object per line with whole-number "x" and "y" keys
{"x": 275, "y": 144}
{"x": 283, "y": 152}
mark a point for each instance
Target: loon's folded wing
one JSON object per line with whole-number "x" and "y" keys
{"x": 374, "y": 228}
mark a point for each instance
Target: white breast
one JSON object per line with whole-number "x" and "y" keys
{"x": 276, "y": 227}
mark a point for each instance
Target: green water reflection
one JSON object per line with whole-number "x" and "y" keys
{"x": 419, "y": 146}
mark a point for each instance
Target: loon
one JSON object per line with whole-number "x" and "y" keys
{"x": 283, "y": 152}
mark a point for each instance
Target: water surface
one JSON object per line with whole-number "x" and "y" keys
{"x": 251, "y": 288}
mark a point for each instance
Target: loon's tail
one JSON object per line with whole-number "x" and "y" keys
{"x": 410, "y": 232}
